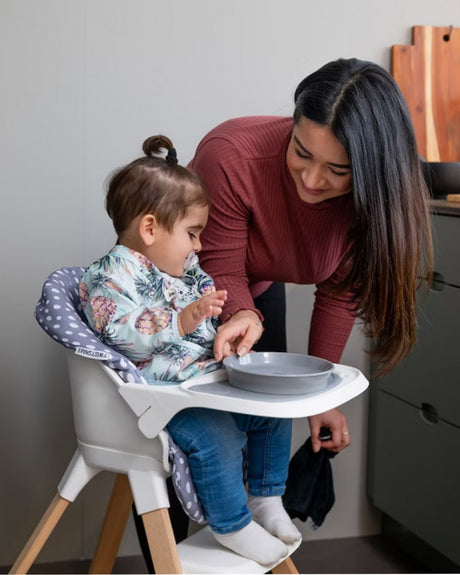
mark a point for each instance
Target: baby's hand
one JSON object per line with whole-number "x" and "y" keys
{"x": 196, "y": 312}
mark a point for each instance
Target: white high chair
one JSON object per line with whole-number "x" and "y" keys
{"x": 120, "y": 428}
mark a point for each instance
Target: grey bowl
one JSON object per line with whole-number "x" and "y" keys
{"x": 442, "y": 178}
{"x": 278, "y": 373}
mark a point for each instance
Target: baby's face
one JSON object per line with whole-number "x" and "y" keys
{"x": 170, "y": 250}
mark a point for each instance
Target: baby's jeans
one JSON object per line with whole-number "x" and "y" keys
{"x": 213, "y": 441}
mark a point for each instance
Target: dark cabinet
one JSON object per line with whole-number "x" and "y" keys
{"x": 414, "y": 447}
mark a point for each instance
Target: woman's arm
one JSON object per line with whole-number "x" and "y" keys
{"x": 225, "y": 243}
{"x": 222, "y": 169}
{"x": 331, "y": 323}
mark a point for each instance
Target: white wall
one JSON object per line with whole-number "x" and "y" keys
{"x": 83, "y": 83}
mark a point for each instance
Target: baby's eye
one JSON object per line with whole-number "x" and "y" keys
{"x": 192, "y": 236}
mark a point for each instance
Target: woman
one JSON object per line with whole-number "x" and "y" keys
{"x": 333, "y": 197}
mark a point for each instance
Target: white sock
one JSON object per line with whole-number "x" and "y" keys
{"x": 254, "y": 543}
{"x": 270, "y": 513}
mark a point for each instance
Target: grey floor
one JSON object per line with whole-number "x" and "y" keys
{"x": 351, "y": 555}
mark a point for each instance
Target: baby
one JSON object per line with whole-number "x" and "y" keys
{"x": 149, "y": 299}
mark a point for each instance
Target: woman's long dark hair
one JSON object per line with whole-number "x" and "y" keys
{"x": 392, "y": 247}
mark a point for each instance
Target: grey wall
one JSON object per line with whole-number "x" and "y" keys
{"x": 83, "y": 83}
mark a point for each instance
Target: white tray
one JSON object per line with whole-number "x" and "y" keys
{"x": 155, "y": 405}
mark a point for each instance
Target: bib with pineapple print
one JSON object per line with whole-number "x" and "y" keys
{"x": 133, "y": 308}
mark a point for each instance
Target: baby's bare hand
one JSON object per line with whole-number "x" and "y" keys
{"x": 198, "y": 311}
{"x": 209, "y": 305}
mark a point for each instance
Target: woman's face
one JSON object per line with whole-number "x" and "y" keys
{"x": 318, "y": 163}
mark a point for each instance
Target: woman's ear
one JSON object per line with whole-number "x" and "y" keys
{"x": 147, "y": 229}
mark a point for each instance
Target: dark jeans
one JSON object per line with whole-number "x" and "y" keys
{"x": 272, "y": 305}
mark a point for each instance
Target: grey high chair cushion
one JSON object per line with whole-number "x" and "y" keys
{"x": 60, "y": 315}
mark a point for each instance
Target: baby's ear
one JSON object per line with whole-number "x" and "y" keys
{"x": 147, "y": 229}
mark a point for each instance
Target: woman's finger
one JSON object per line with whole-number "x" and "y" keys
{"x": 252, "y": 335}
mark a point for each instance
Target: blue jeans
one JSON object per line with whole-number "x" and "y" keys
{"x": 213, "y": 441}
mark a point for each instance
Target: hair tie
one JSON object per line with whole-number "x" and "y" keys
{"x": 171, "y": 156}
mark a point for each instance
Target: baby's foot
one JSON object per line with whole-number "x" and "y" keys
{"x": 270, "y": 513}
{"x": 255, "y": 543}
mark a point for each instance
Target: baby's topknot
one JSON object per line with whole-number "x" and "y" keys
{"x": 153, "y": 145}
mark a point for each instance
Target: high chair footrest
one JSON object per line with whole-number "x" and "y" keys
{"x": 201, "y": 553}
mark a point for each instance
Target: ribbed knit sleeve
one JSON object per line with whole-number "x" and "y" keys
{"x": 225, "y": 238}
{"x": 331, "y": 323}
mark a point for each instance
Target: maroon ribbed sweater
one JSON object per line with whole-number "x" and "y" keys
{"x": 260, "y": 231}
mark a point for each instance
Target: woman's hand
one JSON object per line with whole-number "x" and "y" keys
{"x": 238, "y": 334}
{"x": 336, "y": 422}
{"x": 195, "y": 313}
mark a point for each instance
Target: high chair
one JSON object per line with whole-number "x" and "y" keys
{"x": 120, "y": 426}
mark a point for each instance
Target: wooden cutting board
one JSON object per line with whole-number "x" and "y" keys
{"x": 428, "y": 73}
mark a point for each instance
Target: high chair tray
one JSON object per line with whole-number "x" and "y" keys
{"x": 155, "y": 405}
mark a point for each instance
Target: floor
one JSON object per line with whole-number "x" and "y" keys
{"x": 351, "y": 555}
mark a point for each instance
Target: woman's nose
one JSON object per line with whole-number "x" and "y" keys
{"x": 313, "y": 177}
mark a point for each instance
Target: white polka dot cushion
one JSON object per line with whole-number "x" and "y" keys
{"x": 59, "y": 313}
{"x": 183, "y": 485}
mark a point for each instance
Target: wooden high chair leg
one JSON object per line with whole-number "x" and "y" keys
{"x": 162, "y": 543}
{"x": 286, "y": 566}
{"x": 40, "y": 535}
{"x": 115, "y": 520}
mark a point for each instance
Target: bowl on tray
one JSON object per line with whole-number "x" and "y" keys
{"x": 278, "y": 373}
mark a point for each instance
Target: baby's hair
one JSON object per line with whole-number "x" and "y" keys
{"x": 154, "y": 184}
